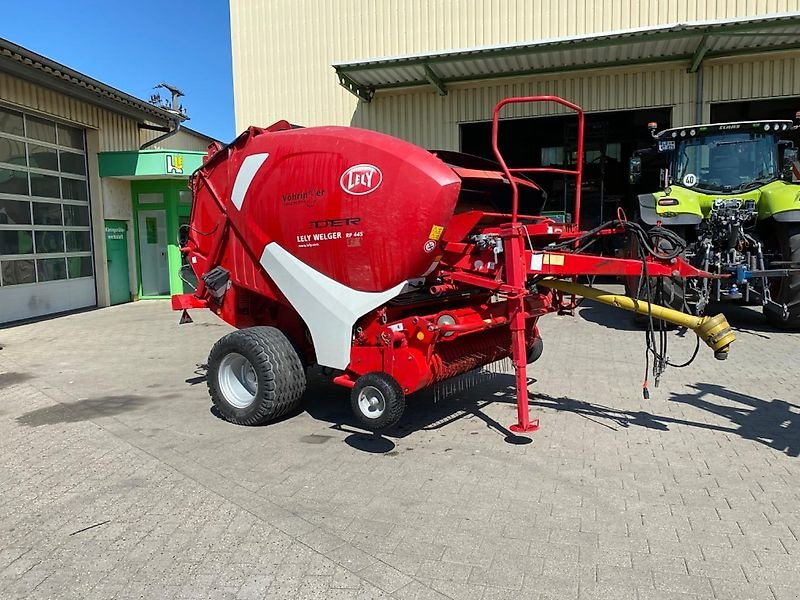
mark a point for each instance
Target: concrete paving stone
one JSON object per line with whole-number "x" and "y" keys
{"x": 653, "y": 594}
{"x": 350, "y": 557}
{"x": 686, "y": 584}
{"x": 549, "y": 588}
{"x": 784, "y": 592}
{"x": 96, "y": 439}
{"x": 385, "y": 577}
{"x": 624, "y": 577}
{"x": 600, "y": 591}
{"x": 659, "y": 562}
{"x": 440, "y": 569}
{"x": 737, "y": 590}
{"x": 496, "y": 576}
{"x": 417, "y": 591}
{"x": 721, "y": 570}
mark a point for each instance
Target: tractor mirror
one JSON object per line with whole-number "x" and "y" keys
{"x": 183, "y": 235}
{"x": 789, "y": 160}
{"x": 635, "y": 169}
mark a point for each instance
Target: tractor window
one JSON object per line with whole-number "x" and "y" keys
{"x": 726, "y": 162}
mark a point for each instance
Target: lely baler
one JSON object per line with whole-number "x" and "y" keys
{"x": 392, "y": 266}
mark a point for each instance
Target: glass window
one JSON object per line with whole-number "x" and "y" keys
{"x": 18, "y": 271}
{"x": 42, "y": 157}
{"x": 46, "y": 213}
{"x": 76, "y": 215}
{"x": 79, "y": 266}
{"x": 78, "y": 241}
{"x": 49, "y": 241}
{"x": 11, "y": 122}
{"x": 185, "y": 196}
{"x": 13, "y": 182}
{"x": 153, "y": 198}
{"x": 72, "y": 163}
{"x": 70, "y": 136}
{"x": 553, "y": 155}
{"x": 15, "y": 212}
{"x": 73, "y": 189}
{"x": 16, "y": 242}
{"x": 41, "y": 129}
{"x": 51, "y": 269}
{"x": 12, "y": 151}
{"x": 44, "y": 185}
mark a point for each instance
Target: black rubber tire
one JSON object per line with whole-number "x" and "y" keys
{"x": 789, "y": 287}
{"x": 280, "y": 376}
{"x": 394, "y": 398}
{"x": 535, "y": 351}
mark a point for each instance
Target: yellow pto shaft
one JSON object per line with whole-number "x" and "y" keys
{"x": 714, "y": 331}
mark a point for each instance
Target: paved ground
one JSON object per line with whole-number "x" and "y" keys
{"x": 117, "y": 480}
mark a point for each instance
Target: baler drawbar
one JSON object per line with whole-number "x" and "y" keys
{"x": 393, "y": 266}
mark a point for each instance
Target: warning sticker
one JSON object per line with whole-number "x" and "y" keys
{"x": 436, "y": 232}
{"x": 689, "y": 180}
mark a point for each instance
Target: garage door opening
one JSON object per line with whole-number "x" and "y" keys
{"x": 757, "y": 110}
{"x": 609, "y": 141}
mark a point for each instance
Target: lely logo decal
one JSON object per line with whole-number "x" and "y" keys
{"x": 360, "y": 180}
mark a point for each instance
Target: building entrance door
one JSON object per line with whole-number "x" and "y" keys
{"x": 153, "y": 252}
{"x": 117, "y": 259}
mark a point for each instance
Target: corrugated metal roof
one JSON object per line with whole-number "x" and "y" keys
{"x": 691, "y": 42}
{"x": 26, "y": 64}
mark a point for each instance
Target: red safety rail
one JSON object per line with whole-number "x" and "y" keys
{"x": 577, "y": 172}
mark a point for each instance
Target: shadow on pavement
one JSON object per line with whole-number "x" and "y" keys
{"x": 770, "y": 422}
{"x": 84, "y": 410}
{"x": 12, "y": 378}
{"x": 607, "y": 316}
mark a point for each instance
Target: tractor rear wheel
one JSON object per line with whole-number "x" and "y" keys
{"x": 670, "y": 293}
{"x": 788, "y": 288}
{"x": 255, "y": 375}
{"x": 377, "y": 401}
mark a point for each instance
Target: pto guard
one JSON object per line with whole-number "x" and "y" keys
{"x": 372, "y": 255}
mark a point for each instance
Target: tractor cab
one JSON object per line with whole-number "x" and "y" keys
{"x": 724, "y": 158}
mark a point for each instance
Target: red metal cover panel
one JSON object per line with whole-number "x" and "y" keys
{"x": 356, "y": 205}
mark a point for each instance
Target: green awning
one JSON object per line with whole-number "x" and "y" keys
{"x": 150, "y": 164}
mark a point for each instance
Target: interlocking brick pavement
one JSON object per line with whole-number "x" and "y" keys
{"x": 118, "y": 481}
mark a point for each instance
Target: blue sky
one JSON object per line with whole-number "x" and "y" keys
{"x": 135, "y": 45}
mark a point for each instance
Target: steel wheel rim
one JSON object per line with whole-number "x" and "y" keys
{"x": 371, "y": 402}
{"x": 237, "y": 380}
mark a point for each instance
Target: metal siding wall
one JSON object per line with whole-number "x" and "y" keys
{"x": 117, "y": 132}
{"x": 432, "y": 121}
{"x": 283, "y": 49}
{"x": 752, "y": 77}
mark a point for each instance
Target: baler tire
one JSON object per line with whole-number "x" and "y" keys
{"x": 280, "y": 379}
{"x": 535, "y": 351}
{"x": 390, "y": 393}
{"x": 789, "y": 290}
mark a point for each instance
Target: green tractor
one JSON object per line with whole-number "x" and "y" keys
{"x": 731, "y": 191}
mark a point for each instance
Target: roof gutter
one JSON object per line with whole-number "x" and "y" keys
{"x": 30, "y": 66}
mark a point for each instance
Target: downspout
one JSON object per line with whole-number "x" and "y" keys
{"x": 161, "y": 138}
{"x": 698, "y": 103}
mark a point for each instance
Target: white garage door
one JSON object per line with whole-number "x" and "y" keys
{"x": 45, "y": 236}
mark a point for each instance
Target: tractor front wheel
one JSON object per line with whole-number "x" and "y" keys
{"x": 377, "y": 401}
{"x": 788, "y": 288}
{"x": 255, "y": 375}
